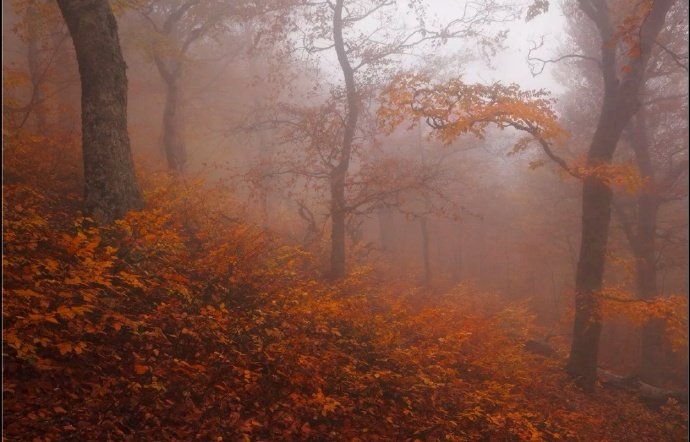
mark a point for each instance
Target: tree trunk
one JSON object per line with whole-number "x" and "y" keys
{"x": 596, "y": 200}
{"x": 173, "y": 139}
{"x": 596, "y": 217}
{"x": 644, "y": 249}
{"x": 338, "y": 175}
{"x": 620, "y": 103}
{"x": 110, "y": 183}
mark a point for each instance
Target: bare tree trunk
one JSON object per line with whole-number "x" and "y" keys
{"x": 173, "y": 139}
{"x": 338, "y": 201}
{"x": 596, "y": 216}
{"x": 110, "y": 183}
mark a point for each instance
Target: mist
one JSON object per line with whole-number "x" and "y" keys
{"x": 345, "y": 220}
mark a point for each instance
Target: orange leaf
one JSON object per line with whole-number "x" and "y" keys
{"x": 64, "y": 347}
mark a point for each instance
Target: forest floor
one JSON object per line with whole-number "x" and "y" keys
{"x": 180, "y": 322}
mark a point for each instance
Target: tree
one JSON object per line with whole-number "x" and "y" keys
{"x": 111, "y": 187}
{"x": 44, "y": 33}
{"x": 623, "y": 77}
{"x": 174, "y": 27}
{"x": 381, "y": 180}
{"x": 364, "y": 56}
{"x": 657, "y": 155}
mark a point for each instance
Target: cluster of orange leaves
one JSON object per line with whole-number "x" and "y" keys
{"x": 180, "y": 322}
{"x": 455, "y": 107}
{"x": 628, "y": 28}
{"x": 671, "y": 311}
{"x": 624, "y": 176}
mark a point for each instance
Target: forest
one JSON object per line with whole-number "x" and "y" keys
{"x": 345, "y": 220}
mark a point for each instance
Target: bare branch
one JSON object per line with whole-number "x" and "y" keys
{"x": 676, "y": 58}
{"x": 532, "y": 65}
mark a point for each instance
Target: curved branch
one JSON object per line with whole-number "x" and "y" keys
{"x": 676, "y": 58}
{"x": 544, "y": 62}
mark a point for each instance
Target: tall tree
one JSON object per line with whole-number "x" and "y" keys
{"x": 363, "y": 56}
{"x": 625, "y": 52}
{"x": 111, "y": 187}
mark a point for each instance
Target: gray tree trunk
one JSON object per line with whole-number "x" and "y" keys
{"x": 110, "y": 183}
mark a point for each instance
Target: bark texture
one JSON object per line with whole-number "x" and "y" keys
{"x": 110, "y": 183}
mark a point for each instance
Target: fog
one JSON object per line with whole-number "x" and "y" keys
{"x": 404, "y": 152}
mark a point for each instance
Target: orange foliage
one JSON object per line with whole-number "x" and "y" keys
{"x": 670, "y": 310}
{"x": 454, "y": 108}
{"x": 180, "y": 322}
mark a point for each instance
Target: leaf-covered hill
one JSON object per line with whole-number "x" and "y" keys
{"x": 181, "y": 322}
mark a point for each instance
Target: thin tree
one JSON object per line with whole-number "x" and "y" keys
{"x": 363, "y": 60}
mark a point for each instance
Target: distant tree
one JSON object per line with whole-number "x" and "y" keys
{"x": 364, "y": 57}
{"x": 43, "y": 31}
{"x": 111, "y": 187}
{"x": 172, "y": 27}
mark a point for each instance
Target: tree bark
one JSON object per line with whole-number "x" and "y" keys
{"x": 110, "y": 182}
{"x": 619, "y": 105}
{"x": 339, "y": 173}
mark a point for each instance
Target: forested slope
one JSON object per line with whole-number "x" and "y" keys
{"x": 184, "y": 322}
